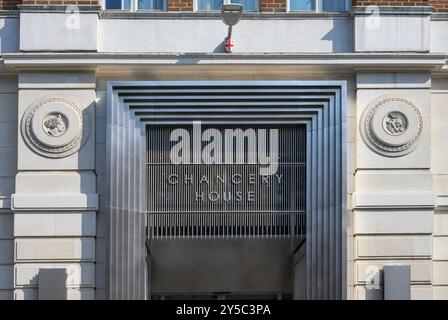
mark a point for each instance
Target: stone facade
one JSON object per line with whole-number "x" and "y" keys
{"x": 53, "y": 127}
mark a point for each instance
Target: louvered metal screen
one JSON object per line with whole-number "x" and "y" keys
{"x": 225, "y": 200}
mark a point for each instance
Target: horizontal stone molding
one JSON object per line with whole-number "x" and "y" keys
{"x": 394, "y": 200}
{"x": 391, "y": 10}
{"x": 55, "y": 224}
{"x": 54, "y": 249}
{"x": 54, "y": 201}
{"x": 421, "y": 271}
{"x": 403, "y": 61}
{"x": 393, "y": 247}
{"x": 72, "y": 294}
{"x": 398, "y": 221}
{"x": 78, "y": 274}
{"x": 393, "y": 80}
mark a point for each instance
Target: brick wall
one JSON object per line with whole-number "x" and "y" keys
{"x": 62, "y": 2}
{"x": 272, "y": 5}
{"x": 9, "y": 4}
{"x": 439, "y": 5}
{"x": 180, "y": 5}
{"x": 265, "y": 5}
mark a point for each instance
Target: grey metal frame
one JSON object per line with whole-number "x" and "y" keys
{"x": 321, "y": 105}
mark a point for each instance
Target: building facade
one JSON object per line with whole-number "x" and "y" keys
{"x": 92, "y": 93}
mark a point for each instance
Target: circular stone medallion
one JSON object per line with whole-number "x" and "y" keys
{"x": 391, "y": 126}
{"x": 54, "y": 127}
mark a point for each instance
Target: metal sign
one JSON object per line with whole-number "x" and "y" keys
{"x": 237, "y": 191}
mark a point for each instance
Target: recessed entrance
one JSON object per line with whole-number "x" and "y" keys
{"x": 234, "y": 228}
{"x": 223, "y": 225}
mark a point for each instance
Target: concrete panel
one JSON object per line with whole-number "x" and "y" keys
{"x": 55, "y": 224}
{"x": 393, "y": 180}
{"x": 404, "y": 33}
{"x": 439, "y": 36}
{"x": 43, "y": 80}
{"x": 80, "y": 160}
{"x": 420, "y": 158}
{"x": 393, "y": 246}
{"x": 393, "y": 221}
{"x": 6, "y": 225}
{"x": 55, "y": 249}
{"x": 9, "y": 34}
{"x": 56, "y": 182}
{"x": 54, "y": 201}
{"x": 6, "y": 251}
{"x": 58, "y": 32}
{"x": 440, "y": 248}
{"x": 251, "y": 35}
{"x": 374, "y": 80}
{"x": 83, "y": 274}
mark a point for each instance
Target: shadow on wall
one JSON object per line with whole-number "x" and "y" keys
{"x": 9, "y": 35}
{"x": 340, "y": 37}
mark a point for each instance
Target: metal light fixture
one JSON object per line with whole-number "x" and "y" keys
{"x": 231, "y": 14}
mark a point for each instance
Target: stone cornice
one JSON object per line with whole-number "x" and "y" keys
{"x": 347, "y": 61}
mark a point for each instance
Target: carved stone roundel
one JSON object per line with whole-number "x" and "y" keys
{"x": 54, "y": 127}
{"x": 391, "y": 126}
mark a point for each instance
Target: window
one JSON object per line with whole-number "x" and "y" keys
{"x": 134, "y": 5}
{"x": 215, "y": 5}
{"x": 319, "y": 5}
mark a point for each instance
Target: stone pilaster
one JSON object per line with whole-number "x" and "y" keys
{"x": 393, "y": 205}
{"x": 55, "y": 199}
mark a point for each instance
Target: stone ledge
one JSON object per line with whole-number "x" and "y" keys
{"x": 385, "y": 10}
{"x": 54, "y": 202}
{"x": 394, "y": 200}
